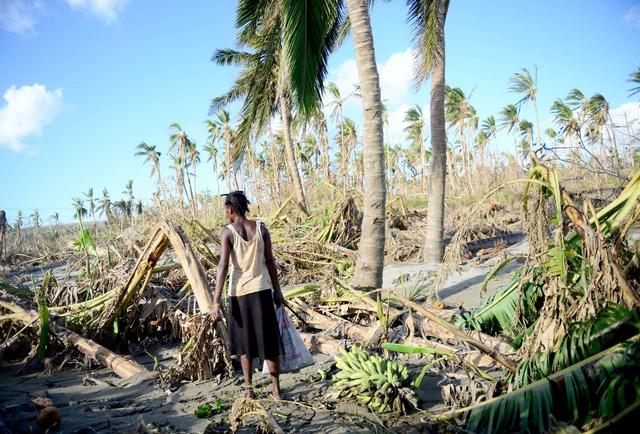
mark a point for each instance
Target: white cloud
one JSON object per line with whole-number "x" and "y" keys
{"x": 633, "y": 16}
{"x": 396, "y": 76}
{"x": 107, "y": 10}
{"x": 627, "y": 112}
{"x": 19, "y": 16}
{"x": 27, "y": 110}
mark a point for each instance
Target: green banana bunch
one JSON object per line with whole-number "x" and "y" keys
{"x": 373, "y": 380}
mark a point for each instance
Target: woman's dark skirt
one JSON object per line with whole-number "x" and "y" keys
{"x": 253, "y": 327}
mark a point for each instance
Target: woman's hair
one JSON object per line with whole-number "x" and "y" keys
{"x": 237, "y": 201}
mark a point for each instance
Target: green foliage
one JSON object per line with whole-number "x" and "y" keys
{"x": 84, "y": 243}
{"x": 509, "y": 311}
{"x": 205, "y": 411}
{"x": 612, "y": 325}
{"x": 599, "y": 386}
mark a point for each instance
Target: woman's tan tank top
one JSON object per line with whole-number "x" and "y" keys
{"x": 249, "y": 271}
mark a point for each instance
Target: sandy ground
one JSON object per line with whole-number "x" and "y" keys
{"x": 96, "y": 401}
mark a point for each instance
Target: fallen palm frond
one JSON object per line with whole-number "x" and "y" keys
{"x": 599, "y": 384}
{"x": 612, "y": 325}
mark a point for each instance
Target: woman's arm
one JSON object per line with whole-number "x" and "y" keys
{"x": 271, "y": 266}
{"x": 223, "y": 266}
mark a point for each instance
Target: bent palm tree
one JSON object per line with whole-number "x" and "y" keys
{"x": 151, "y": 155}
{"x": 509, "y": 120}
{"x": 524, "y": 84}
{"x": 428, "y": 18}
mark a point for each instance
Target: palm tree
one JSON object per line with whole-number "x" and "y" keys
{"x": 428, "y": 18}
{"x": 35, "y": 221}
{"x": 490, "y": 129}
{"x": 55, "y": 219}
{"x": 461, "y": 114}
{"x": 563, "y": 116}
{"x": 347, "y": 133}
{"x": 212, "y": 156}
{"x": 319, "y": 124}
{"x": 310, "y": 31}
{"x": 524, "y": 84}
{"x": 337, "y": 114}
{"x": 635, "y": 79}
{"x": 183, "y": 147}
{"x": 104, "y": 206}
{"x": 263, "y": 84}
{"x": 414, "y": 128}
{"x": 92, "y": 206}
{"x": 482, "y": 139}
{"x": 178, "y": 166}
{"x": 526, "y": 134}
{"x": 510, "y": 120}
{"x": 368, "y": 273}
{"x": 81, "y": 211}
{"x": 220, "y": 129}
{"x": 128, "y": 192}
{"x": 151, "y": 155}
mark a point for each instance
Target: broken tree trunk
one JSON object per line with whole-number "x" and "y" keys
{"x": 122, "y": 366}
{"x": 190, "y": 264}
{"x": 141, "y": 272}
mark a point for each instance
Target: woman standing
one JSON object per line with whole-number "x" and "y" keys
{"x": 253, "y": 290}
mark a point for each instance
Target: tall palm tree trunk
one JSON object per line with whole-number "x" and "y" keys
{"x": 291, "y": 156}
{"x": 368, "y": 273}
{"x": 433, "y": 244}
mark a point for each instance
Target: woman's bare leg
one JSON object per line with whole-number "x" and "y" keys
{"x": 246, "y": 371}
{"x": 274, "y": 372}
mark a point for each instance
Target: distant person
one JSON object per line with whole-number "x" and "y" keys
{"x": 253, "y": 290}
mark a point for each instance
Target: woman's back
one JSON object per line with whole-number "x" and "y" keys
{"x": 249, "y": 271}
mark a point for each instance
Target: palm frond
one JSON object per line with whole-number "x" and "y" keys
{"x": 593, "y": 385}
{"x": 635, "y": 79}
{"x": 310, "y": 31}
{"x": 423, "y": 16}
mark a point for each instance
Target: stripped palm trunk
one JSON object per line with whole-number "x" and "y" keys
{"x": 433, "y": 244}
{"x": 291, "y": 156}
{"x": 368, "y": 273}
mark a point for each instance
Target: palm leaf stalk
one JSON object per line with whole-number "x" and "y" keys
{"x": 600, "y": 384}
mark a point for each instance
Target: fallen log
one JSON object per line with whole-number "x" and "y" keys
{"x": 122, "y": 366}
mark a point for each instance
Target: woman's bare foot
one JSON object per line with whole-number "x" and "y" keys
{"x": 247, "y": 391}
{"x": 277, "y": 393}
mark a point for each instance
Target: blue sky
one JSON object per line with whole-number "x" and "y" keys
{"x": 84, "y": 81}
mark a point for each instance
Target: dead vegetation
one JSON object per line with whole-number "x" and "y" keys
{"x": 564, "y": 330}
